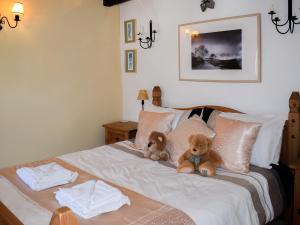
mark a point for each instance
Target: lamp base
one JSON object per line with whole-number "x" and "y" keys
{"x": 143, "y": 103}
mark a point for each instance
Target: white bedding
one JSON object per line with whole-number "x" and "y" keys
{"x": 207, "y": 201}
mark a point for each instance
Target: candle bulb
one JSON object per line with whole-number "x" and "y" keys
{"x": 150, "y": 24}
{"x": 290, "y": 9}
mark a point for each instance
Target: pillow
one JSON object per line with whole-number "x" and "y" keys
{"x": 211, "y": 122}
{"x": 197, "y": 112}
{"x": 206, "y": 113}
{"x": 151, "y": 121}
{"x": 234, "y": 141}
{"x": 267, "y": 147}
{"x": 180, "y": 115}
{"x": 177, "y": 140}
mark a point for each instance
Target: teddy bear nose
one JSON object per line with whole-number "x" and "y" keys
{"x": 194, "y": 150}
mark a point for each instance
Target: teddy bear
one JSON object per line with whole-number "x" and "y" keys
{"x": 199, "y": 157}
{"x": 155, "y": 149}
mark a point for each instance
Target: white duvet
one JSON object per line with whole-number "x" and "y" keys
{"x": 207, "y": 201}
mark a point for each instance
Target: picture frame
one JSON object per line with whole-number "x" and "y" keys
{"x": 129, "y": 31}
{"x": 226, "y": 50}
{"x": 131, "y": 61}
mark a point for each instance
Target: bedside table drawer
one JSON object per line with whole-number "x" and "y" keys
{"x": 119, "y": 131}
{"x": 114, "y": 136}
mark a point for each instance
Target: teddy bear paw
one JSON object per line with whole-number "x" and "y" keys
{"x": 206, "y": 173}
{"x": 154, "y": 157}
{"x": 185, "y": 170}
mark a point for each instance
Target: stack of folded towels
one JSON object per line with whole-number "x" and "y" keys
{"x": 46, "y": 176}
{"x": 91, "y": 198}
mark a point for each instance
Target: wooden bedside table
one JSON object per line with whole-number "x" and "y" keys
{"x": 119, "y": 131}
{"x": 296, "y": 207}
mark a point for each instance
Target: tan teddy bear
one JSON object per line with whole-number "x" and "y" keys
{"x": 199, "y": 157}
{"x": 155, "y": 149}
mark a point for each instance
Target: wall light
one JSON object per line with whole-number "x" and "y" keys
{"x": 148, "y": 40}
{"x": 291, "y": 21}
{"x": 18, "y": 10}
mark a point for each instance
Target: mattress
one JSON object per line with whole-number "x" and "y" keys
{"x": 228, "y": 198}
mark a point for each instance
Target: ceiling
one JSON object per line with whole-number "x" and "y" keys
{"x": 113, "y": 2}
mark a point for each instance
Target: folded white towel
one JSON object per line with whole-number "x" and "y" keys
{"x": 46, "y": 176}
{"x": 91, "y": 198}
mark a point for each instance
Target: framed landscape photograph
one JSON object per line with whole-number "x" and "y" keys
{"x": 130, "y": 61}
{"x": 221, "y": 50}
{"x": 129, "y": 30}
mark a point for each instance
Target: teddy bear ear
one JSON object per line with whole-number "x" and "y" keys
{"x": 152, "y": 135}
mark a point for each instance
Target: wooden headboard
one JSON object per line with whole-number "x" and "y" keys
{"x": 291, "y": 134}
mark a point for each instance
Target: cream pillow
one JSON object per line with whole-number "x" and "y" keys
{"x": 267, "y": 147}
{"x": 211, "y": 122}
{"x": 234, "y": 142}
{"x": 177, "y": 140}
{"x": 151, "y": 121}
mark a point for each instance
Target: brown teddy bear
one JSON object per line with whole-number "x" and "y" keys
{"x": 155, "y": 149}
{"x": 199, "y": 157}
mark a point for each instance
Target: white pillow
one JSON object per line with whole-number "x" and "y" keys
{"x": 267, "y": 147}
{"x": 180, "y": 115}
{"x": 211, "y": 122}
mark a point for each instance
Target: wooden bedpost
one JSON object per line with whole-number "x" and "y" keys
{"x": 63, "y": 216}
{"x": 294, "y": 128}
{"x": 156, "y": 96}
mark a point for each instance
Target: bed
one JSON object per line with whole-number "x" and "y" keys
{"x": 158, "y": 193}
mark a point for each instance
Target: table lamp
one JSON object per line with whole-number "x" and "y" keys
{"x": 143, "y": 95}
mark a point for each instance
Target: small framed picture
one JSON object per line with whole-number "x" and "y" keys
{"x": 130, "y": 61}
{"x": 129, "y": 28}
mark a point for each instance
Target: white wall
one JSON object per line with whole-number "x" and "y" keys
{"x": 159, "y": 65}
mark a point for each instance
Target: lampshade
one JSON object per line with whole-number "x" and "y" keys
{"x": 143, "y": 95}
{"x": 18, "y": 8}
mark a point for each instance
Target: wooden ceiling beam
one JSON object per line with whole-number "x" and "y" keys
{"x": 113, "y": 2}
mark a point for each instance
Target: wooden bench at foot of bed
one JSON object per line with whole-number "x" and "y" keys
{"x": 61, "y": 216}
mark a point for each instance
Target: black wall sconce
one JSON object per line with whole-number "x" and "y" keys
{"x": 291, "y": 21}
{"x": 207, "y": 4}
{"x": 16, "y": 9}
{"x": 148, "y": 40}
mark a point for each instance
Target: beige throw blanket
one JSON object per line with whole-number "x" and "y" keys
{"x": 142, "y": 211}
